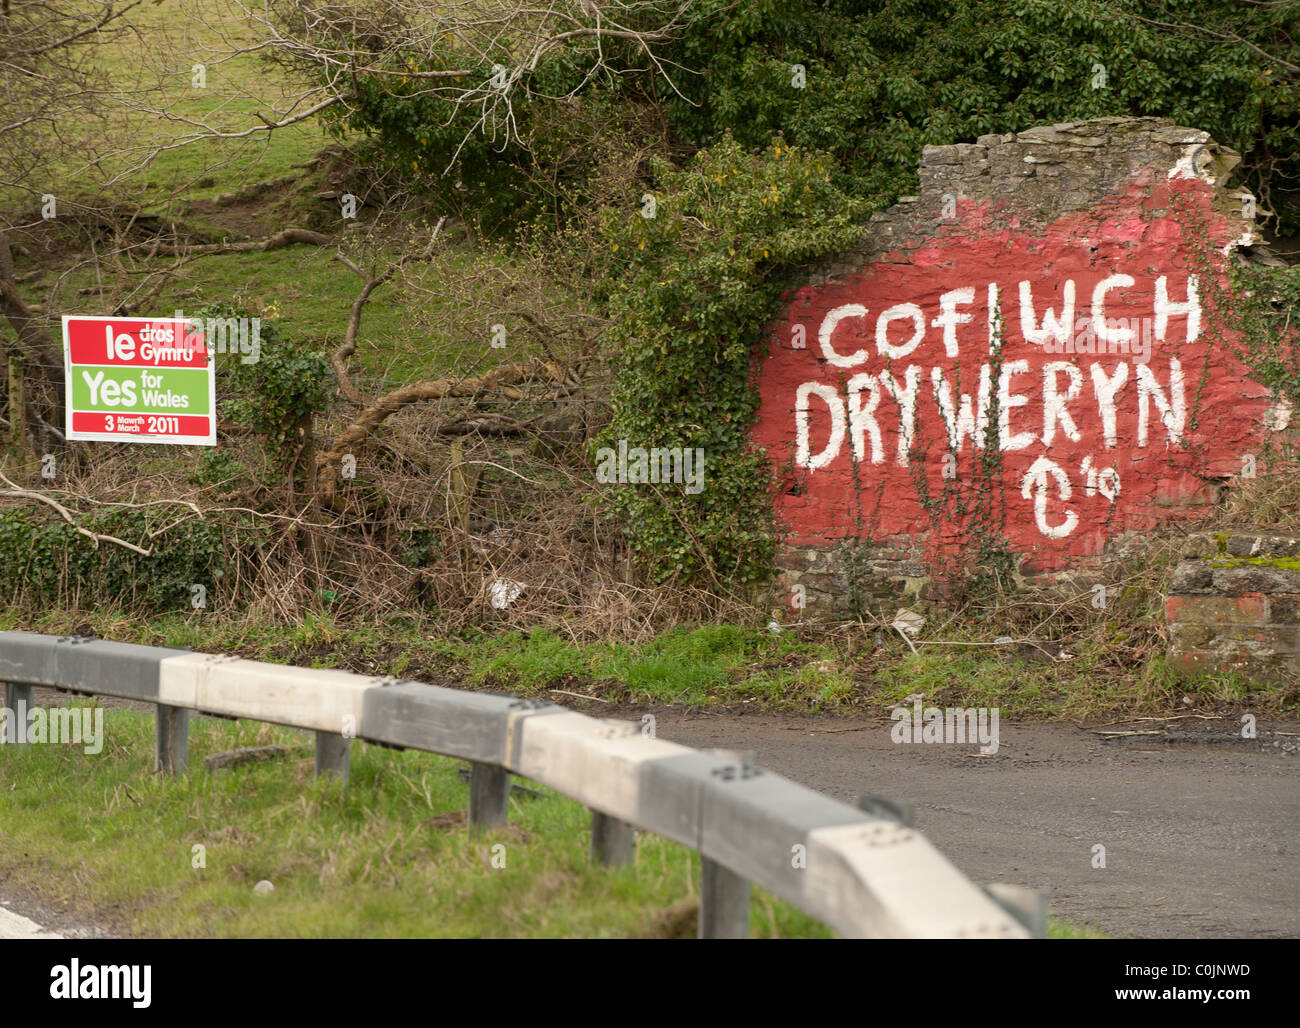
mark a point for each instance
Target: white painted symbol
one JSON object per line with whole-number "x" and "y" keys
{"x": 1035, "y": 483}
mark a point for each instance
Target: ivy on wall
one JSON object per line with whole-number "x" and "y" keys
{"x": 694, "y": 276}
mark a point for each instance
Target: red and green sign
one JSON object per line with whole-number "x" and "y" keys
{"x": 139, "y": 380}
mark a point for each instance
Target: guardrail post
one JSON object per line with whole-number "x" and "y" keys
{"x": 613, "y": 842}
{"x": 724, "y": 902}
{"x": 18, "y": 701}
{"x": 724, "y": 895}
{"x": 489, "y": 795}
{"x": 172, "y": 739}
{"x": 333, "y": 755}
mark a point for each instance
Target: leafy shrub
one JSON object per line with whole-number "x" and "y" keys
{"x": 689, "y": 291}
{"x": 272, "y": 395}
{"x": 885, "y": 77}
{"x": 49, "y": 564}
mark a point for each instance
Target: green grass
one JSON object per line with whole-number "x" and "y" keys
{"x": 1060, "y": 929}
{"x": 117, "y": 844}
{"x": 709, "y": 665}
{"x": 235, "y": 91}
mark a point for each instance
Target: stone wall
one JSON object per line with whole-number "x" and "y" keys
{"x": 1234, "y": 603}
{"x": 1120, "y": 407}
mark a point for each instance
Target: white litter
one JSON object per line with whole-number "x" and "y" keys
{"x": 504, "y": 592}
{"x": 908, "y": 621}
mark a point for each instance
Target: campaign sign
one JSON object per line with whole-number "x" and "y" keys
{"x": 138, "y": 380}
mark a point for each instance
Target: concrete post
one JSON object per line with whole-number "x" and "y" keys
{"x": 171, "y": 740}
{"x": 724, "y": 895}
{"x": 489, "y": 795}
{"x": 724, "y": 903}
{"x": 333, "y": 755}
{"x": 19, "y": 699}
{"x": 613, "y": 842}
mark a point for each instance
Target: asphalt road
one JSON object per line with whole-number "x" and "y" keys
{"x": 1201, "y": 828}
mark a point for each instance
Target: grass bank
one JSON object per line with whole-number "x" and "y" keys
{"x": 853, "y": 672}
{"x": 389, "y": 857}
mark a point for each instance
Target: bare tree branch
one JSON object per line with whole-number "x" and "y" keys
{"x": 95, "y": 537}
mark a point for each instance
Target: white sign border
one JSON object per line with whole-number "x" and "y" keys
{"x": 141, "y": 437}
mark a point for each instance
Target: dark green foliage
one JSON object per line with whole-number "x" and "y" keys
{"x": 886, "y": 77}
{"x": 48, "y": 563}
{"x": 473, "y": 159}
{"x": 1266, "y": 309}
{"x": 287, "y": 383}
{"x": 689, "y": 291}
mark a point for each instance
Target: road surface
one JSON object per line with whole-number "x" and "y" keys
{"x": 1201, "y": 831}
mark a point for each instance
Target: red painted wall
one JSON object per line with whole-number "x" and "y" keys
{"x": 1072, "y": 475}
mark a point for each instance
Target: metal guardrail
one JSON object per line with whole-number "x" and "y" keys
{"x": 862, "y": 875}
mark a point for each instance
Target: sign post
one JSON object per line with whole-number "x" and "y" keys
{"x": 139, "y": 380}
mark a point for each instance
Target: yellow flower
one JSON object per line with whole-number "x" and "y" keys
{"x": 616, "y": 246}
